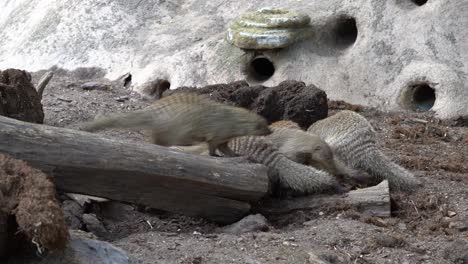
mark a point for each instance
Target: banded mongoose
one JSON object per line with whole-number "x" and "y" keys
{"x": 289, "y": 176}
{"x": 293, "y": 176}
{"x": 353, "y": 140}
{"x": 185, "y": 119}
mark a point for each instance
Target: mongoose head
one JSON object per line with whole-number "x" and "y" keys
{"x": 321, "y": 157}
{"x": 311, "y": 151}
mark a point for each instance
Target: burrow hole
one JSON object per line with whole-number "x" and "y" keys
{"x": 127, "y": 81}
{"x": 345, "y": 32}
{"x": 419, "y": 97}
{"x": 419, "y": 2}
{"x": 261, "y": 69}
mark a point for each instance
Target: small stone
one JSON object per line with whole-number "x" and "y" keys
{"x": 197, "y": 260}
{"x": 250, "y": 223}
{"x": 72, "y": 212}
{"x": 459, "y": 225}
{"x": 95, "y": 86}
{"x": 321, "y": 213}
{"x": 451, "y": 214}
{"x": 94, "y": 226}
{"x": 121, "y": 98}
{"x": 85, "y": 199}
{"x": 390, "y": 241}
{"x": 402, "y": 226}
{"x": 64, "y": 100}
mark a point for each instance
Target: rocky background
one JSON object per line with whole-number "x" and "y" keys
{"x": 402, "y": 54}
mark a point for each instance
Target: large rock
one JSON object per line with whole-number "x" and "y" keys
{"x": 83, "y": 248}
{"x": 392, "y": 54}
{"x": 18, "y": 97}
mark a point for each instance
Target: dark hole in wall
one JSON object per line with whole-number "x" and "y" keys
{"x": 419, "y": 97}
{"x": 127, "y": 81}
{"x": 261, "y": 69}
{"x": 345, "y": 32}
{"x": 419, "y": 2}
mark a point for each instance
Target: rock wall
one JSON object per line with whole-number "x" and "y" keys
{"x": 396, "y": 54}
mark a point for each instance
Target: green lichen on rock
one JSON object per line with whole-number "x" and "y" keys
{"x": 268, "y": 28}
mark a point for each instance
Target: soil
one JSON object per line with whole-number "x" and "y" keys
{"x": 429, "y": 226}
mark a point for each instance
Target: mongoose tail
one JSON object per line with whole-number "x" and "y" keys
{"x": 353, "y": 140}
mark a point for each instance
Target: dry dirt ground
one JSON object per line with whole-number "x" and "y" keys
{"x": 429, "y": 226}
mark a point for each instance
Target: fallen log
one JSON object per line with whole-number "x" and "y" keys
{"x": 159, "y": 177}
{"x": 372, "y": 201}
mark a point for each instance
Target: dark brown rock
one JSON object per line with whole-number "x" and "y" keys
{"x": 18, "y": 97}
{"x": 290, "y": 100}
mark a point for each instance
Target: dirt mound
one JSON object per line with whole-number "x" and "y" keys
{"x": 29, "y": 195}
{"x": 290, "y": 100}
{"x": 18, "y": 97}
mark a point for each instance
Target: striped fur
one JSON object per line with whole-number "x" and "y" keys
{"x": 353, "y": 140}
{"x": 286, "y": 174}
{"x": 186, "y": 119}
{"x": 291, "y": 175}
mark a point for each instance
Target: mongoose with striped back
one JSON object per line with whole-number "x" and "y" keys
{"x": 294, "y": 177}
{"x": 353, "y": 140}
{"x": 186, "y": 119}
{"x": 287, "y": 176}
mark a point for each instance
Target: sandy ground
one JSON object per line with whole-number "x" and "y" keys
{"x": 429, "y": 226}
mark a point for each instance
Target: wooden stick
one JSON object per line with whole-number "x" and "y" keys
{"x": 373, "y": 201}
{"x": 86, "y": 163}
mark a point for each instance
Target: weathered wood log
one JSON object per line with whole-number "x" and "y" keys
{"x": 373, "y": 201}
{"x": 147, "y": 174}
